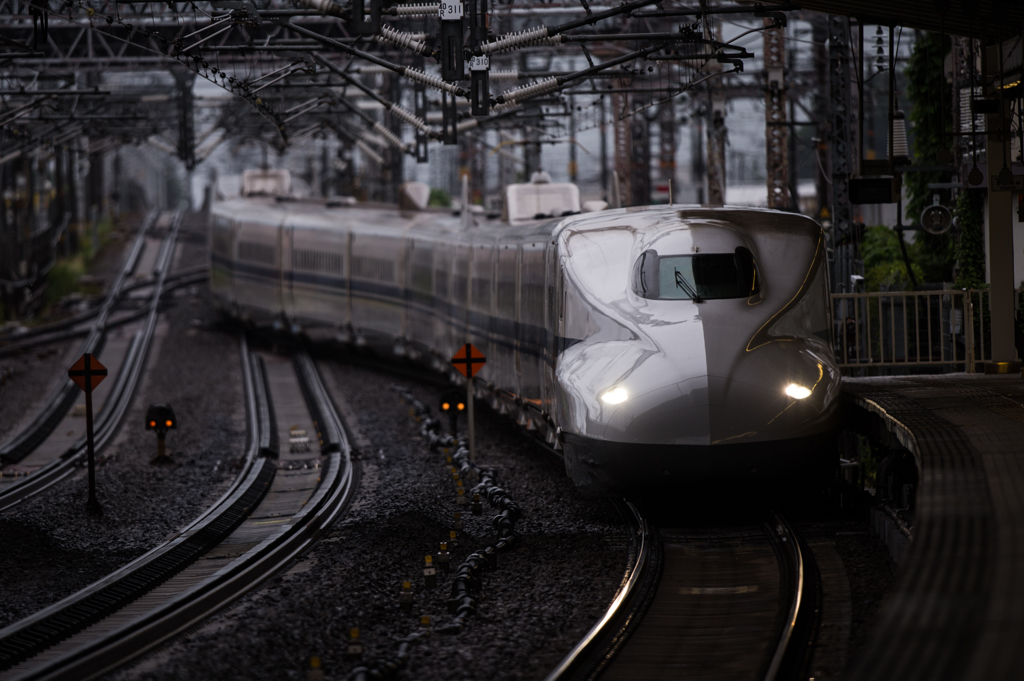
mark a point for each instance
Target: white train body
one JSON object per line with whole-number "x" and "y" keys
{"x": 590, "y": 330}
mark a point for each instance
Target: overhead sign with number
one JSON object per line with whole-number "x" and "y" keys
{"x": 468, "y": 360}
{"x": 87, "y": 372}
{"x": 449, "y": 11}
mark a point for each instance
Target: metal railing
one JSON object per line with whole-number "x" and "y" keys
{"x": 900, "y": 329}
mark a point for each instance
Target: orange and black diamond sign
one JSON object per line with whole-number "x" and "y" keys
{"x": 468, "y": 360}
{"x": 87, "y": 372}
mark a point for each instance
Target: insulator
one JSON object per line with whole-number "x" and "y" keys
{"x": 422, "y": 9}
{"x": 467, "y": 124}
{"x": 530, "y": 91}
{"x": 410, "y": 118}
{"x": 430, "y": 80}
{"x": 511, "y": 41}
{"x": 391, "y": 137}
{"x": 406, "y": 40}
{"x": 368, "y": 151}
{"x": 504, "y": 74}
{"x": 371, "y": 70}
{"x": 502, "y": 108}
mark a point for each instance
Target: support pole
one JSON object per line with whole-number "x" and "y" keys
{"x": 470, "y": 422}
{"x": 93, "y": 505}
{"x": 604, "y": 150}
{"x": 716, "y": 130}
{"x": 999, "y": 222}
{"x": 839, "y": 99}
{"x": 623, "y": 145}
{"x": 572, "y": 140}
{"x": 776, "y": 131}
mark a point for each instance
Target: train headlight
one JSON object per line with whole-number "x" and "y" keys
{"x": 615, "y": 396}
{"x": 797, "y": 392}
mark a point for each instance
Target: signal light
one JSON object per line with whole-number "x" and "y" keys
{"x": 453, "y": 403}
{"x": 160, "y": 417}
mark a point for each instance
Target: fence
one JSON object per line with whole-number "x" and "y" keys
{"x": 912, "y": 329}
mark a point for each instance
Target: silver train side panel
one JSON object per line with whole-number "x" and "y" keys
{"x": 552, "y": 307}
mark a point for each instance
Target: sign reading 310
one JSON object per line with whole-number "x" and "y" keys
{"x": 449, "y": 11}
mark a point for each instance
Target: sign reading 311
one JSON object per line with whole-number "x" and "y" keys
{"x": 449, "y": 11}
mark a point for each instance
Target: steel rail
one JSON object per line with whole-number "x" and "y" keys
{"x": 334, "y": 492}
{"x": 599, "y": 645}
{"x": 799, "y": 577}
{"x": 120, "y": 397}
{"x": 30, "y": 636}
{"x": 173, "y": 283}
{"x": 61, "y": 399}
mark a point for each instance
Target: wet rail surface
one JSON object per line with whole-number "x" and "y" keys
{"x": 729, "y": 602}
{"x": 273, "y": 513}
{"x": 716, "y": 611}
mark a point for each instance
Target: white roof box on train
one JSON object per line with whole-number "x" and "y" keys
{"x": 413, "y": 196}
{"x": 269, "y": 182}
{"x": 540, "y": 199}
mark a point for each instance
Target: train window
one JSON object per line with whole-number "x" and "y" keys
{"x": 373, "y": 268}
{"x": 317, "y": 261}
{"x": 254, "y": 252}
{"x": 696, "y": 277}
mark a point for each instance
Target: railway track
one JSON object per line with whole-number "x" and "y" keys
{"x": 53, "y": 445}
{"x": 271, "y": 514}
{"x": 730, "y": 603}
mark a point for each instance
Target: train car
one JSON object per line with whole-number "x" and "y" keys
{"x": 666, "y": 344}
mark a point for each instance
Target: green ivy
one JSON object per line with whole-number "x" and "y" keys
{"x": 883, "y": 260}
{"x": 441, "y": 198}
{"x": 928, "y": 90}
{"x": 970, "y": 248}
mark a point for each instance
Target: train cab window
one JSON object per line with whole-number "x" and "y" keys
{"x": 701, "y": 276}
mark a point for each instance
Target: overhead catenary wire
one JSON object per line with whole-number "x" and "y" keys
{"x": 393, "y": 107}
{"x": 405, "y": 71}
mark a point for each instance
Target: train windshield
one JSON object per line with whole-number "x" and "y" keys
{"x": 697, "y": 277}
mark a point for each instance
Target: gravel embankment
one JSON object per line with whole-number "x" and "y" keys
{"x": 546, "y": 593}
{"x": 25, "y": 381}
{"x": 52, "y": 548}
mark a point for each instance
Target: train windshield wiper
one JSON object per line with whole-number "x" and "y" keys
{"x": 687, "y": 288}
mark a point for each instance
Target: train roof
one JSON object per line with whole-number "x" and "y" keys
{"x": 642, "y": 218}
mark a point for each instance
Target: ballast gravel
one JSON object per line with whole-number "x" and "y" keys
{"x": 545, "y": 594}
{"x": 52, "y": 548}
{"x": 26, "y": 379}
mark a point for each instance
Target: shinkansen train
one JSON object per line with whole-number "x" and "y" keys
{"x": 667, "y": 344}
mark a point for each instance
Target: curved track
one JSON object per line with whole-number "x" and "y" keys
{"x": 121, "y": 393}
{"x": 737, "y": 603}
{"x": 61, "y": 399}
{"x": 257, "y": 527}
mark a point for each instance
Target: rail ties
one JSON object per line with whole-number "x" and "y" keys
{"x": 31, "y": 636}
{"x": 135, "y": 622}
{"x": 739, "y": 602}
